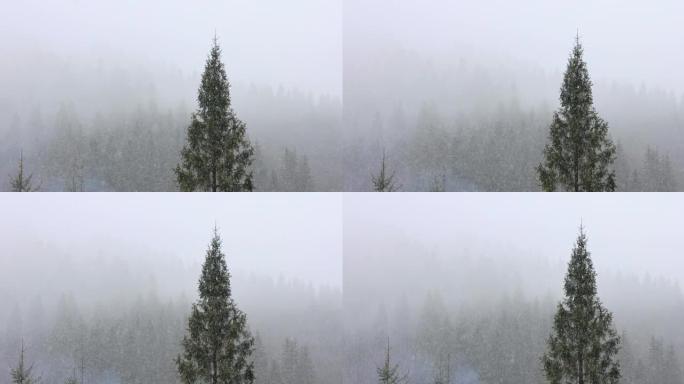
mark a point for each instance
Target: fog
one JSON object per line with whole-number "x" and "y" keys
{"x": 115, "y": 83}
{"x": 625, "y": 41}
{"x": 630, "y": 234}
{"x": 176, "y": 35}
{"x": 460, "y": 94}
{"x": 110, "y": 278}
{"x": 472, "y": 281}
{"x": 463, "y": 286}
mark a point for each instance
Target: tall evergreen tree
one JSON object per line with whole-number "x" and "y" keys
{"x": 580, "y": 154}
{"x": 22, "y": 182}
{"x": 384, "y": 181}
{"x": 583, "y": 344}
{"x": 388, "y": 373}
{"x": 217, "y": 155}
{"x": 22, "y": 374}
{"x": 218, "y": 346}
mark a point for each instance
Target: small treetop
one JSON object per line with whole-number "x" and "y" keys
{"x": 215, "y": 279}
{"x": 22, "y": 182}
{"x": 22, "y": 374}
{"x": 580, "y": 280}
{"x": 388, "y": 373}
{"x": 576, "y": 94}
{"x": 384, "y": 181}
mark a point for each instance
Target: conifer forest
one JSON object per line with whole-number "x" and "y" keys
{"x": 187, "y": 192}
{"x": 331, "y": 289}
{"x": 474, "y": 96}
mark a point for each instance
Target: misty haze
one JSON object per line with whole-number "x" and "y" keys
{"x": 337, "y": 95}
{"x": 100, "y": 289}
{"x": 98, "y": 96}
{"x": 467, "y": 289}
{"x": 460, "y": 95}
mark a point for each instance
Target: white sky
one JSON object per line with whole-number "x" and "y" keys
{"x": 296, "y": 236}
{"x": 296, "y": 44}
{"x": 633, "y": 41}
{"x": 300, "y": 235}
{"x": 629, "y": 233}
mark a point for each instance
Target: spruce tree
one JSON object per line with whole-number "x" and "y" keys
{"x": 22, "y": 374}
{"x": 583, "y": 344}
{"x": 217, "y": 155}
{"x": 218, "y": 346}
{"x": 388, "y": 373}
{"x": 22, "y": 182}
{"x": 384, "y": 181}
{"x": 580, "y": 154}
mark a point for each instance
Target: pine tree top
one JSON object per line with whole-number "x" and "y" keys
{"x": 23, "y": 374}
{"x": 388, "y": 373}
{"x": 384, "y": 181}
{"x": 576, "y": 95}
{"x": 215, "y": 279}
{"x": 580, "y": 280}
{"x": 21, "y": 182}
{"x": 214, "y": 91}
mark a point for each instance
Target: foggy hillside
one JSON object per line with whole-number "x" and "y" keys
{"x": 98, "y": 97}
{"x": 467, "y": 287}
{"x": 463, "y": 98}
{"x": 94, "y": 288}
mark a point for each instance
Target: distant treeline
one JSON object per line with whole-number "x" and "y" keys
{"x": 459, "y": 124}
{"x": 137, "y": 148}
{"x": 137, "y": 341}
